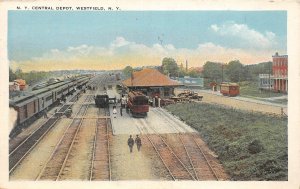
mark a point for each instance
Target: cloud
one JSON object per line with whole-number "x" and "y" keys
{"x": 121, "y": 52}
{"x": 119, "y": 42}
{"x": 240, "y": 35}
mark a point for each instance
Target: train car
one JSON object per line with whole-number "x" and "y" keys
{"x": 102, "y": 100}
{"x": 229, "y": 89}
{"x": 33, "y": 103}
{"x": 137, "y": 103}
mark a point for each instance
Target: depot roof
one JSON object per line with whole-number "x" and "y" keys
{"x": 149, "y": 78}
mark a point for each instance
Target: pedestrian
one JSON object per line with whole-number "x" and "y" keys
{"x": 138, "y": 142}
{"x": 130, "y": 143}
{"x": 45, "y": 114}
{"x": 115, "y": 112}
{"x": 121, "y": 111}
{"x": 123, "y": 101}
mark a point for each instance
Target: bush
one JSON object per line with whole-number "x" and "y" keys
{"x": 255, "y": 147}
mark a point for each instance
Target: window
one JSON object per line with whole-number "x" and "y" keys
{"x": 166, "y": 92}
{"x": 49, "y": 98}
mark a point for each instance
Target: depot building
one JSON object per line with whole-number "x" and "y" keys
{"x": 152, "y": 83}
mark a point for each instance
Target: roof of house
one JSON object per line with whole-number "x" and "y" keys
{"x": 149, "y": 78}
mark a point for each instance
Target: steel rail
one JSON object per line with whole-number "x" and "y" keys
{"x": 35, "y": 143}
{"x": 193, "y": 137}
{"x": 101, "y": 82}
{"x": 170, "y": 149}
{"x": 143, "y": 121}
{"x": 70, "y": 148}
{"x": 108, "y": 144}
{"x": 180, "y": 138}
{"x": 157, "y": 152}
{"x": 24, "y": 140}
{"x": 57, "y": 145}
{"x": 94, "y": 149}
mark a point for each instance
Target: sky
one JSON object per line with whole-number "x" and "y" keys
{"x": 56, "y": 40}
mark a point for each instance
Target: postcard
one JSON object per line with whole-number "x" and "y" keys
{"x": 150, "y": 94}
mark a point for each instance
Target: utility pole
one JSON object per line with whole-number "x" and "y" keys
{"x": 222, "y": 71}
{"x": 270, "y": 80}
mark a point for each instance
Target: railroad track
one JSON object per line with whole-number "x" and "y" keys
{"x": 17, "y": 154}
{"x": 201, "y": 164}
{"x": 55, "y": 165}
{"x": 50, "y": 119}
{"x": 100, "y": 163}
{"x": 175, "y": 167}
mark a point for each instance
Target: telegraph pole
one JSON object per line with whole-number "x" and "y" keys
{"x": 270, "y": 80}
{"x": 222, "y": 71}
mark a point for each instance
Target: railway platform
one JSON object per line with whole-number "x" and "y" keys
{"x": 157, "y": 118}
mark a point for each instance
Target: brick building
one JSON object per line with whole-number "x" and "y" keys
{"x": 279, "y": 75}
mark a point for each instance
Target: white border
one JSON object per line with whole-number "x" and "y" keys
{"x": 293, "y": 8}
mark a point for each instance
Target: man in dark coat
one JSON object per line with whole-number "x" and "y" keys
{"x": 138, "y": 142}
{"x": 130, "y": 143}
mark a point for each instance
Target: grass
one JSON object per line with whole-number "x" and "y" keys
{"x": 250, "y": 89}
{"x": 251, "y": 146}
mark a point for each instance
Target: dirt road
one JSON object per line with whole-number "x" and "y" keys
{"x": 240, "y": 104}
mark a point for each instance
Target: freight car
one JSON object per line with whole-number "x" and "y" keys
{"x": 229, "y": 89}
{"x": 34, "y": 103}
{"x": 137, "y": 104}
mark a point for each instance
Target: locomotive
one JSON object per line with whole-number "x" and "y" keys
{"x": 137, "y": 104}
{"x": 102, "y": 100}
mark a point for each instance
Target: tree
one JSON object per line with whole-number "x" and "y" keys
{"x": 260, "y": 68}
{"x": 12, "y": 75}
{"x": 193, "y": 73}
{"x": 127, "y": 71}
{"x": 212, "y": 71}
{"x": 234, "y": 71}
{"x": 170, "y": 67}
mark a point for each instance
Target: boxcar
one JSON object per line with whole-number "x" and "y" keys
{"x": 229, "y": 89}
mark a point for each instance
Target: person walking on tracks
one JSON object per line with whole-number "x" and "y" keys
{"x": 130, "y": 143}
{"x": 138, "y": 142}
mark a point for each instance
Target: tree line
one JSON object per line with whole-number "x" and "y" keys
{"x": 31, "y": 77}
{"x": 233, "y": 71}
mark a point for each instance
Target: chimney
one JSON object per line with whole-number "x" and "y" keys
{"x": 186, "y": 65}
